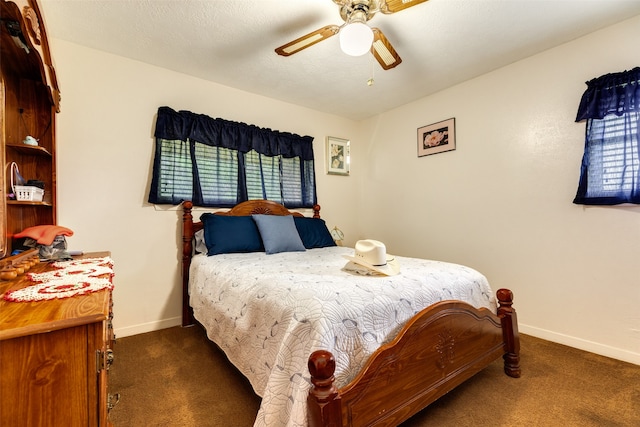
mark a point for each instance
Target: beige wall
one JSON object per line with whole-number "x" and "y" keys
{"x": 500, "y": 203}
{"x": 105, "y": 148}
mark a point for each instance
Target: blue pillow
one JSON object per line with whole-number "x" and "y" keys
{"x": 230, "y": 234}
{"x": 313, "y": 232}
{"x": 279, "y": 233}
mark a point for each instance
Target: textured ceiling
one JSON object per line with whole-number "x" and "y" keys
{"x": 232, "y": 42}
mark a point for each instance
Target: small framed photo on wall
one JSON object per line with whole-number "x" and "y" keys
{"x": 437, "y": 137}
{"x": 338, "y": 156}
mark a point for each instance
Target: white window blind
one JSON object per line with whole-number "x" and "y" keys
{"x": 614, "y": 164}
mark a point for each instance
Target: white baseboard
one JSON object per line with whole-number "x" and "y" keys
{"x": 148, "y": 327}
{"x": 590, "y": 346}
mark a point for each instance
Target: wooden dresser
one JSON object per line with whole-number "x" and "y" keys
{"x": 54, "y": 358}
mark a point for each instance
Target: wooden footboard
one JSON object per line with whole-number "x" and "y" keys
{"x": 437, "y": 350}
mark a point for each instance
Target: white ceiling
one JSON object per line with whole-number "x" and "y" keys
{"x": 232, "y": 42}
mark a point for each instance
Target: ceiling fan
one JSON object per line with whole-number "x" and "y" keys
{"x": 356, "y": 37}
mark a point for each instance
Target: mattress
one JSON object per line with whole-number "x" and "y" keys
{"x": 268, "y": 313}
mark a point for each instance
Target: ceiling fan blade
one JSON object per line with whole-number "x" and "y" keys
{"x": 307, "y": 40}
{"x": 393, "y": 6}
{"x": 382, "y": 50}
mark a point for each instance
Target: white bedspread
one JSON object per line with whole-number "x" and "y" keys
{"x": 270, "y": 312}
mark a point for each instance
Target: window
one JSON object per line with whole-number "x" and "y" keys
{"x": 213, "y": 162}
{"x": 610, "y": 172}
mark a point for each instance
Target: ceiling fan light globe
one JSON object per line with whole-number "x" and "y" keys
{"x": 356, "y": 39}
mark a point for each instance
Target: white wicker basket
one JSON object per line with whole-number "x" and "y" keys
{"x": 28, "y": 193}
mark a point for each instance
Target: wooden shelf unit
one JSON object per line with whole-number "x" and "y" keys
{"x": 30, "y": 99}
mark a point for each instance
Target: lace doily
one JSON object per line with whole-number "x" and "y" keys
{"x": 61, "y": 288}
{"x": 67, "y": 279}
{"x": 104, "y": 261}
{"x": 89, "y": 270}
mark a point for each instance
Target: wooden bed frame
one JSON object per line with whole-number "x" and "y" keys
{"x": 437, "y": 350}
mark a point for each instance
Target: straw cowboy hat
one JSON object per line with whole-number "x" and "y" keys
{"x": 372, "y": 254}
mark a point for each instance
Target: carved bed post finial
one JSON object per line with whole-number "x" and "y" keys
{"x": 316, "y": 211}
{"x": 510, "y": 333}
{"x": 324, "y": 402}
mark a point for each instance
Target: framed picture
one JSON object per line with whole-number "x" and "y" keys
{"x": 437, "y": 138}
{"x": 338, "y": 156}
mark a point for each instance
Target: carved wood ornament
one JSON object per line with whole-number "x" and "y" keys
{"x": 31, "y": 17}
{"x": 445, "y": 348}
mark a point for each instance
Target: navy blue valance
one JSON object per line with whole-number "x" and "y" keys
{"x": 185, "y": 125}
{"x": 614, "y": 93}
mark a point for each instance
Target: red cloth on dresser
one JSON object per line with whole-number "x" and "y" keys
{"x": 44, "y": 234}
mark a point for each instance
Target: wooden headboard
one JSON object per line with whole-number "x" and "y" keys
{"x": 189, "y": 228}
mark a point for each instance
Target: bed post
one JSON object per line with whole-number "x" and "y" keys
{"x": 187, "y": 251}
{"x": 510, "y": 333}
{"x": 324, "y": 402}
{"x": 316, "y": 211}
